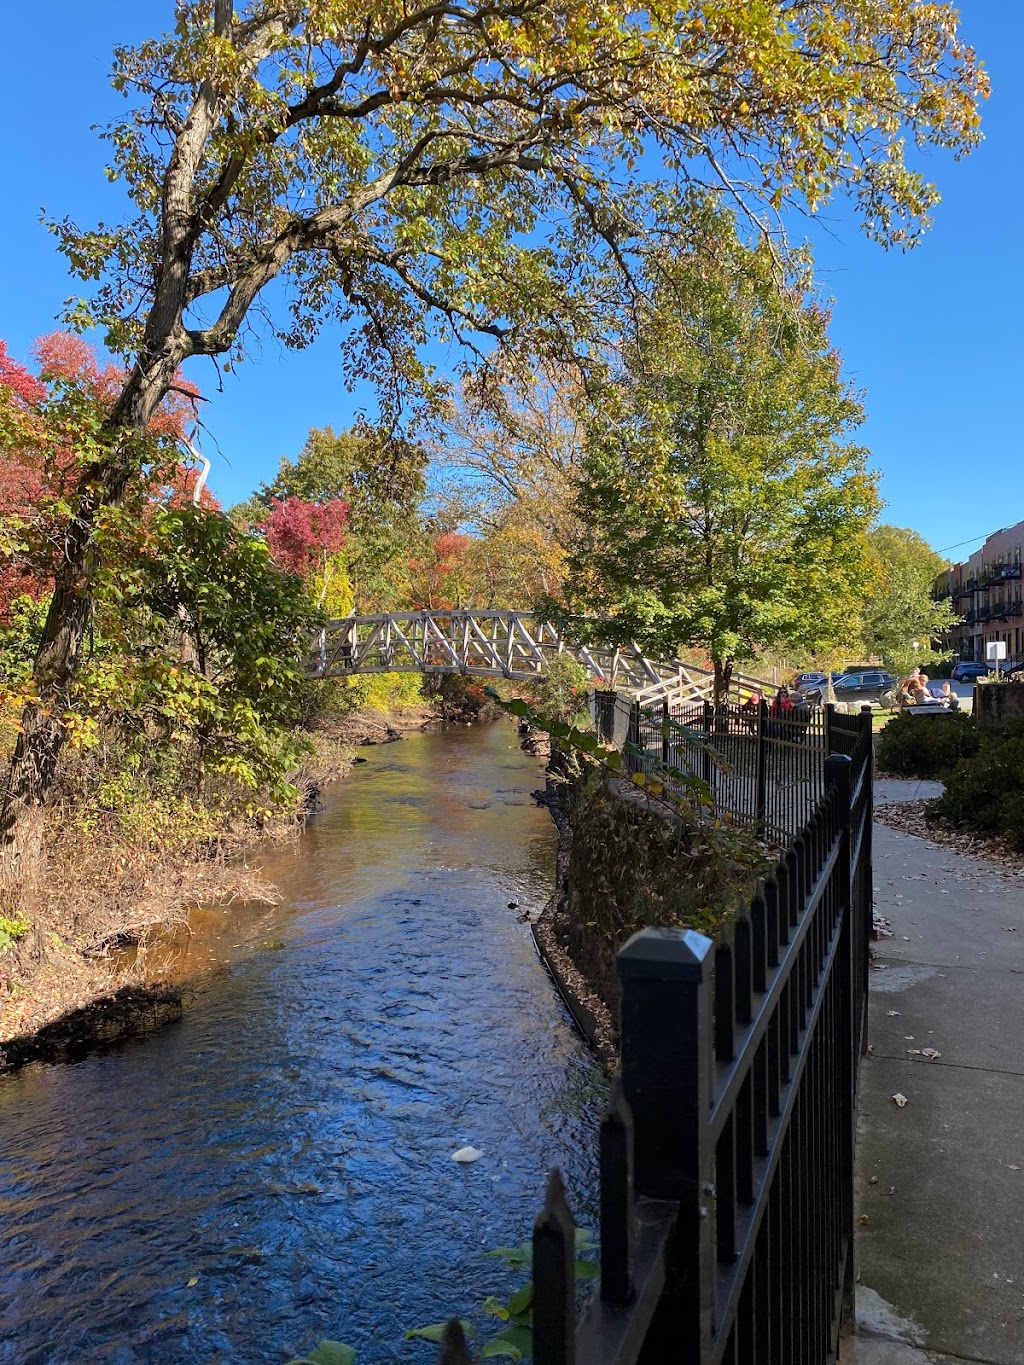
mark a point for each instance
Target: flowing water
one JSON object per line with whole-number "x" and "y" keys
{"x": 277, "y": 1167}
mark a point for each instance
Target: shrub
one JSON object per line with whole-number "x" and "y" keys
{"x": 986, "y": 792}
{"x": 917, "y": 746}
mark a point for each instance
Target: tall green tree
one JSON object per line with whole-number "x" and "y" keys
{"x": 724, "y": 500}
{"x": 899, "y": 609}
{"x": 455, "y": 169}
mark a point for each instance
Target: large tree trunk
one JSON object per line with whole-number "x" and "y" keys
{"x": 43, "y": 728}
{"x": 723, "y": 677}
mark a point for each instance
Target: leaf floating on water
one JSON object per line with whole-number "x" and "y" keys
{"x": 901, "y": 1100}
{"x": 466, "y": 1155}
{"x": 192, "y": 1282}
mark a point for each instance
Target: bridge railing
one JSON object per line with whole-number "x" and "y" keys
{"x": 727, "y": 1153}
{"x": 496, "y": 643}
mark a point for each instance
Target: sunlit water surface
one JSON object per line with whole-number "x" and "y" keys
{"x": 288, "y": 1145}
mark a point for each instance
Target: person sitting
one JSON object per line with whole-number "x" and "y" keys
{"x": 782, "y": 704}
{"x": 949, "y": 697}
{"x": 919, "y": 688}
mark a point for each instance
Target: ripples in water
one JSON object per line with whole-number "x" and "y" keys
{"x": 288, "y": 1145}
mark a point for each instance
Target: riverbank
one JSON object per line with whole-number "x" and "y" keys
{"x": 67, "y": 980}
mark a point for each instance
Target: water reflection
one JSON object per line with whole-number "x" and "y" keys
{"x": 288, "y": 1145}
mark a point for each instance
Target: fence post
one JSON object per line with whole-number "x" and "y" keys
{"x": 838, "y": 777}
{"x": 666, "y": 747}
{"x": 863, "y": 874}
{"x": 705, "y": 758}
{"x": 830, "y": 711}
{"x": 667, "y": 1046}
{"x": 617, "y": 1215}
{"x": 633, "y": 761}
{"x": 554, "y": 1279}
{"x": 761, "y": 770}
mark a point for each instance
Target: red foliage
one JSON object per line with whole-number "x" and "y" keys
{"x": 302, "y": 534}
{"x": 442, "y": 580}
{"x": 25, "y": 387}
{"x": 63, "y": 356}
{"x": 35, "y": 458}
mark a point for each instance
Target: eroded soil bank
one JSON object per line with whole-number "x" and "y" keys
{"x": 83, "y": 975}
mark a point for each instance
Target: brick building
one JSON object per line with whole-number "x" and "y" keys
{"x": 986, "y": 593}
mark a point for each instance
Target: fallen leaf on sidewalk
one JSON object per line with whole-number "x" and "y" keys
{"x": 892, "y": 1014}
{"x": 930, "y": 1053}
{"x": 873, "y": 1180}
{"x": 862, "y": 1221}
{"x": 901, "y": 1100}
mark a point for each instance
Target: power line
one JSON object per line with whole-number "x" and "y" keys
{"x": 969, "y": 541}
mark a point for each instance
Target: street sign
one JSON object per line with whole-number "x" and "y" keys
{"x": 995, "y": 650}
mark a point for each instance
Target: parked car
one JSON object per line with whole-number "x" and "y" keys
{"x": 803, "y": 681}
{"x": 867, "y": 688}
{"x": 967, "y": 671}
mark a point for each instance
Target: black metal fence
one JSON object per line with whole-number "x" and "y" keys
{"x": 763, "y": 771}
{"x": 727, "y": 1155}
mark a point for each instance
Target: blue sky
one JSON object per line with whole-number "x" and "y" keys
{"x": 932, "y": 336}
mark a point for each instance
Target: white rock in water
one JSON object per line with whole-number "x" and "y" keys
{"x": 467, "y": 1154}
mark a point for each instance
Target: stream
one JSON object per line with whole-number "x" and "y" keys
{"x": 276, "y": 1168}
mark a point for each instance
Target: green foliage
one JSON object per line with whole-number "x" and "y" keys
{"x": 203, "y": 641}
{"x": 12, "y": 927}
{"x": 986, "y": 792}
{"x": 384, "y": 692}
{"x": 19, "y": 640}
{"x": 562, "y": 691}
{"x": 460, "y": 697}
{"x": 927, "y": 746}
{"x": 899, "y": 607}
{"x": 724, "y": 502}
{"x": 402, "y": 177}
{"x": 327, "y": 1353}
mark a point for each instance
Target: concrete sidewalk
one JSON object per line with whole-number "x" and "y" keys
{"x": 940, "y": 1181}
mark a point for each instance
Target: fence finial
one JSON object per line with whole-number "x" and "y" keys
{"x": 454, "y": 1348}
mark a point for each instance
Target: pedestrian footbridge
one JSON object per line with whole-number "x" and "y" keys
{"x": 516, "y": 645}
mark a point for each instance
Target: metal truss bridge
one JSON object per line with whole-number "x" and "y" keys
{"x": 502, "y": 644}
